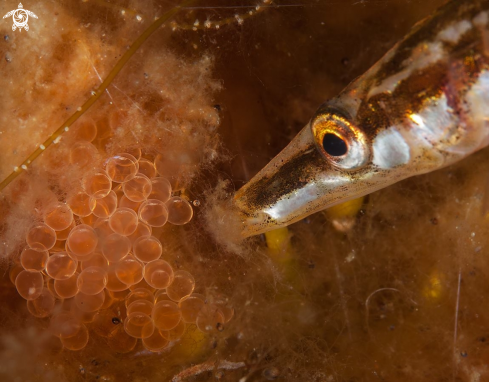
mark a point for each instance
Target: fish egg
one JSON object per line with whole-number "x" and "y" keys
{"x": 41, "y": 237}
{"x": 82, "y": 240}
{"x": 29, "y": 284}
{"x": 115, "y": 247}
{"x": 153, "y": 212}
{"x": 33, "y": 260}
{"x": 158, "y": 274}
{"x": 177, "y": 332}
{"x": 81, "y": 204}
{"x": 59, "y": 217}
{"x": 129, "y": 270}
{"x": 126, "y": 203}
{"x": 138, "y": 188}
{"x": 179, "y": 211}
{"x": 61, "y": 265}
{"x": 166, "y": 315}
{"x": 82, "y": 154}
{"x": 191, "y": 307}
{"x": 64, "y": 325}
{"x": 182, "y": 286}
{"x": 66, "y": 288}
{"x": 147, "y": 248}
{"x": 124, "y": 221}
{"x": 122, "y": 167}
{"x": 92, "y": 280}
{"x": 139, "y": 325}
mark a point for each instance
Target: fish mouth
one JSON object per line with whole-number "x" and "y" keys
{"x": 286, "y": 190}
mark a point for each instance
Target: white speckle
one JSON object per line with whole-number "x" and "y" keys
{"x": 16, "y": 168}
{"x": 481, "y": 19}
{"x": 138, "y": 18}
{"x": 66, "y": 128}
{"x": 207, "y": 24}
{"x": 24, "y": 167}
{"x": 239, "y": 19}
{"x": 196, "y": 23}
{"x": 42, "y": 147}
{"x": 390, "y": 149}
{"x": 57, "y": 140}
{"x": 79, "y": 109}
{"x": 416, "y": 119}
{"x": 453, "y": 33}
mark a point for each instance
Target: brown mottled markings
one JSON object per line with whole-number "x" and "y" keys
{"x": 293, "y": 175}
{"x": 426, "y": 31}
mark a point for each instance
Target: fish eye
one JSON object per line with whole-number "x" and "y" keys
{"x": 339, "y": 141}
{"x": 334, "y": 145}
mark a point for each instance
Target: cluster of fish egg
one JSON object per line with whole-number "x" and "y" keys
{"x": 94, "y": 259}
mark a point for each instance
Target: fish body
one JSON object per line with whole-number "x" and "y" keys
{"x": 423, "y": 106}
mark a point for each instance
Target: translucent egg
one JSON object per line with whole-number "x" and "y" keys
{"x": 85, "y": 317}
{"x": 81, "y": 204}
{"x": 66, "y": 288}
{"x": 126, "y": 203}
{"x": 142, "y": 284}
{"x": 141, "y": 306}
{"x": 160, "y": 189}
{"x": 92, "y": 280}
{"x": 89, "y": 303}
{"x": 140, "y": 294}
{"x": 97, "y": 184}
{"x": 33, "y": 260}
{"x": 82, "y": 240}
{"x": 210, "y": 318}
{"x": 63, "y": 235}
{"x": 115, "y": 247}
{"x": 64, "y": 325}
{"x": 158, "y": 274}
{"x": 82, "y": 154}
{"x": 96, "y": 260}
{"x": 43, "y": 305}
{"x": 123, "y": 221}
{"x": 156, "y": 342}
{"x": 61, "y": 265}
{"x": 138, "y": 188}
{"x": 59, "y": 217}
{"x": 146, "y": 167}
{"x": 182, "y": 286}
{"x": 77, "y": 341}
{"x": 153, "y": 212}
{"x": 129, "y": 270}
{"x": 85, "y": 130}
{"x": 139, "y": 325}
{"x": 122, "y": 167}
{"x": 41, "y": 237}
{"x": 179, "y": 211}
{"x": 166, "y": 315}
{"x": 147, "y": 248}
{"x": 106, "y": 206}
{"x": 191, "y": 307}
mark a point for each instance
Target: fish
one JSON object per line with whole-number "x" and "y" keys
{"x": 423, "y": 106}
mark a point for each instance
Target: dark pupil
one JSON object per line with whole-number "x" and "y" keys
{"x": 334, "y": 145}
